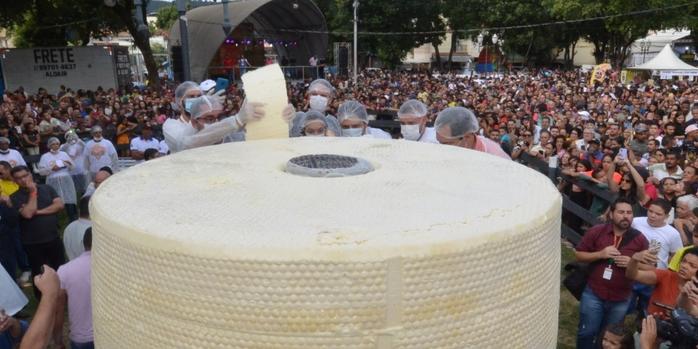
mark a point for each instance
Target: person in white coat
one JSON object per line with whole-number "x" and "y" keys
{"x": 319, "y": 97}
{"x": 56, "y": 166}
{"x": 75, "y": 148}
{"x": 353, "y": 118}
{"x": 187, "y": 133}
{"x": 13, "y": 157}
{"x": 100, "y": 152}
{"x": 413, "y": 122}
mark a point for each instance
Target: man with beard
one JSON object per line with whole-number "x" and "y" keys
{"x": 608, "y": 249}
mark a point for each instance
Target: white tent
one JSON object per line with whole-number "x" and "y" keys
{"x": 668, "y": 65}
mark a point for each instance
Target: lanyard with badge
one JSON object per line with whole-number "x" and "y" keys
{"x": 608, "y": 271}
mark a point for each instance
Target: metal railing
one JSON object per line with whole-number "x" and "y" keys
{"x": 571, "y": 208}
{"x": 291, "y": 72}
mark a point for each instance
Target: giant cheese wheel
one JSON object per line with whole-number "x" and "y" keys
{"x": 425, "y": 246}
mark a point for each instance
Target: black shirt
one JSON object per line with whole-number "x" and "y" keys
{"x": 40, "y": 228}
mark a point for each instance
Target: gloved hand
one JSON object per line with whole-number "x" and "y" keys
{"x": 288, "y": 113}
{"x": 220, "y": 95}
{"x": 250, "y": 111}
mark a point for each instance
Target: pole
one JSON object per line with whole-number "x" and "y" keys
{"x": 356, "y": 38}
{"x": 184, "y": 38}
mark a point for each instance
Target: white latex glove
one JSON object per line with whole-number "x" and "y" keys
{"x": 288, "y": 113}
{"x": 220, "y": 95}
{"x": 251, "y": 111}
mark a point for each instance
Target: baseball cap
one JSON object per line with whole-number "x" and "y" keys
{"x": 207, "y": 85}
{"x": 641, "y": 128}
{"x": 691, "y": 128}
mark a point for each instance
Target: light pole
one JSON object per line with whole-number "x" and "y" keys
{"x": 480, "y": 39}
{"x": 356, "y": 38}
{"x": 184, "y": 38}
{"x": 495, "y": 38}
{"x": 227, "y": 27}
{"x": 644, "y": 48}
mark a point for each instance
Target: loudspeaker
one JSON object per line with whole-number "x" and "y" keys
{"x": 177, "y": 64}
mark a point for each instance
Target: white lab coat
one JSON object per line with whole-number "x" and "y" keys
{"x": 377, "y": 133}
{"x": 180, "y": 135}
{"x": 61, "y": 180}
{"x": 429, "y": 136}
{"x": 100, "y": 154}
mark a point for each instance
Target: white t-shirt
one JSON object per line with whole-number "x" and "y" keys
{"x": 667, "y": 236}
{"x": 101, "y": 154}
{"x": 72, "y": 237}
{"x": 660, "y": 171}
{"x": 13, "y": 157}
{"x": 141, "y": 145}
{"x": 163, "y": 148}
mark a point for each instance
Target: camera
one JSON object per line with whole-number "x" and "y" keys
{"x": 681, "y": 329}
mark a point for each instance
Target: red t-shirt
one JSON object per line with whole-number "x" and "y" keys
{"x": 597, "y": 238}
{"x": 666, "y": 291}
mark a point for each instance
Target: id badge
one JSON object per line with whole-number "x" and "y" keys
{"x": 607, "y": 273}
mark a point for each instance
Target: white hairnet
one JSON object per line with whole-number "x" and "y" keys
{"x": 182, "y": 89}
{"x": 311, "y": 116}
{"x": 352, "y": 110}
{"x": 333, "y": 125}
{"x": 95, "y": 129}
{"x": 413, "y": 108}
{"x": 321, "y": 85}
{"x": 296, "y": 125}
{"x": 460, "y": 120}
{"x": 204, "y": 104}
{"x": 52, "y": 140}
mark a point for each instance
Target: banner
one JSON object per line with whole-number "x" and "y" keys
{"x": 599, "y": 73}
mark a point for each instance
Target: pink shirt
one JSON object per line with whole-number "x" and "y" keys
{"x": 76, "y": 280}
{"x": 489, "y": 146}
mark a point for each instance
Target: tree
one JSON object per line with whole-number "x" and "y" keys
{"x": 536, "y": 44}
{"x": 399, "y": 21}
{"x": 612, "y": 37}
{"x": 166, "y": 17}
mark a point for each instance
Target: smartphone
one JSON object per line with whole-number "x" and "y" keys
{"x": 623, "y": 153}
{"x": 222, "y": 84}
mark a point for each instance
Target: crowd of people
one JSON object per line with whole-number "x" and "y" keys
{"x": 635, "y": 139}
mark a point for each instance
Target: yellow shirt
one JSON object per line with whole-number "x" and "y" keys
{"x": 675, "y": 262}
{"x": 8, "y": 187}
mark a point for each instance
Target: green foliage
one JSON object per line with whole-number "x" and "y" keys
{"x": 612, "y": 37}
{"x": 166, "y": 16}
{"x": 401, "y": 16}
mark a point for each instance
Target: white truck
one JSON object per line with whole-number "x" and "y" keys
{"x": 85, "y": 67}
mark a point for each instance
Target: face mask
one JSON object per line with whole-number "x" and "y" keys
{"x": 318, "y": 103}
{"x": 187, "y": 104}
{"x": 410, "y": 132}
{"x": 6, "y": 151}
{"x": 107, "y": 111}
{"x": 98, "y": 139}
{"x": 352, "y": 132}
{"x": 73, "y": 141}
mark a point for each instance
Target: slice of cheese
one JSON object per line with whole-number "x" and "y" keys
{"x": 267, "y": 85}
{"x": 220, "y": 247}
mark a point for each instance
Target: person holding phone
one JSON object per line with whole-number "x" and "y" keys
{"x": 667, "y": 283}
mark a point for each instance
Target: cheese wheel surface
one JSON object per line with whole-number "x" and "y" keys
{"x": 221, "y": 247}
